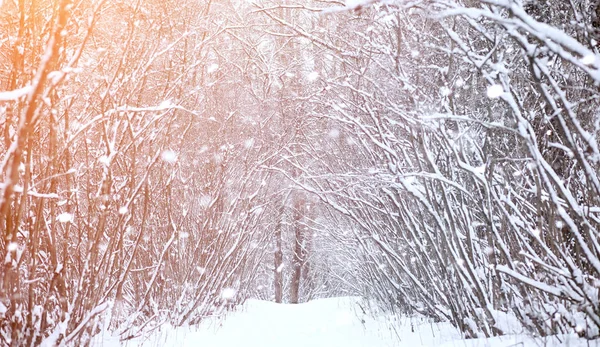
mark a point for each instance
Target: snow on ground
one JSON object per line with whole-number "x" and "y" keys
{"x": 335, "y": 322}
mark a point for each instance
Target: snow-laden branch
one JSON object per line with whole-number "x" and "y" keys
{"x": 16, "y": 94}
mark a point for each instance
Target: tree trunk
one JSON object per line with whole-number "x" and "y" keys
{"x": 278, "y": 281}
{"x": 298, "y": 256}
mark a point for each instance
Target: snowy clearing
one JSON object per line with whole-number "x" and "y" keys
{"x": 334, "y": 322}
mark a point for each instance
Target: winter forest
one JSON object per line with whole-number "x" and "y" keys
{"x": 164, "y": 161}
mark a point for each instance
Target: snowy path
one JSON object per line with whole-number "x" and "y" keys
{"x": 336, "y": 322}
{"x": 319, "y": 323}
{"x": 328, "y": 322}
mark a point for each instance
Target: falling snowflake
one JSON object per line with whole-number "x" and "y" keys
{"x": 495, "y": 91}
{"x": 205, "y": 201}
{"x": 249, "y": 143}
{"x": 64, "y": 217}
{"x": 104, "y": 160}
{"x": 169, "y": 156}
{"x": 228, "y": 294}
{"x": 313, "y": 76}
{"x": 212, "y": 68}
